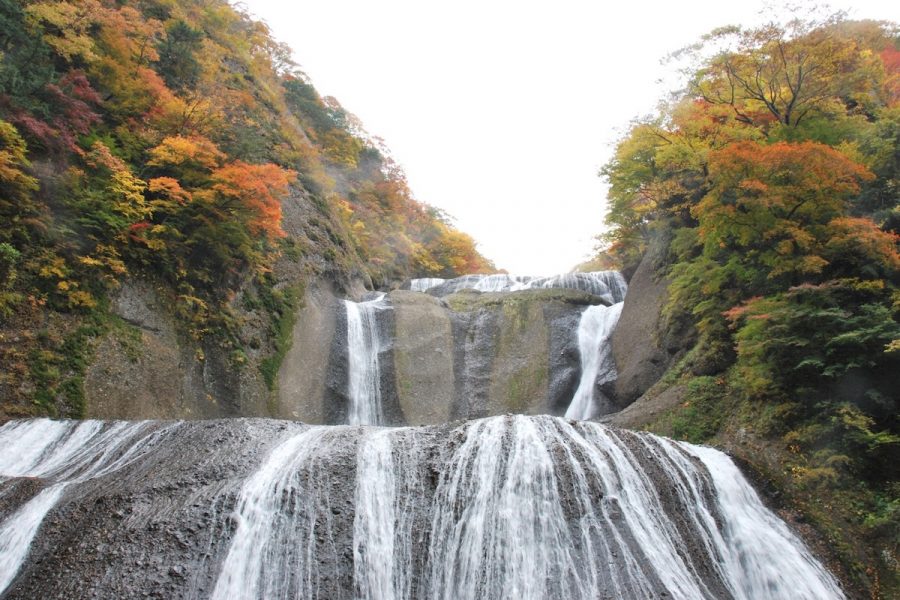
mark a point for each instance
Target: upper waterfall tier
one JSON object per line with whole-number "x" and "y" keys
{"x": 597, "y": 366}
{"x": 364, "y": 347}
{"x": 609, "y": 285}
{"x": 505, "y": 507}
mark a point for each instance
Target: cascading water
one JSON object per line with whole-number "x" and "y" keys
{"x": 512, "y": 507}
{"x": 523, "y": 507}
{"x": 364, "y": 344}
{"x": 504, "y": 507}
{"x": 62, "y": 453}
{"x": 609, "y": 285}
{"x": 425, "y": 283}
{"x": 597, "y": 367}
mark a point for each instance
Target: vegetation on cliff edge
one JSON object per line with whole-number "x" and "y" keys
{"x": 776, "y": 176}
{"x": 178, "y": 142}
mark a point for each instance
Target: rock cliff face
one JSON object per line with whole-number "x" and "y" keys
{"x": 510, "y": 352}
{"x": 467, "y": 355}
{"x": 643, "y": 347}
{"x": 162, "y": 375}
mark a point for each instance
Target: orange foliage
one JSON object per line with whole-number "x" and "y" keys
{"x": 890, "y": 57}
{"x": 777, "y": 200}
{"x": 860, "y": 244}
{"x": 258, "y": 189}
{"x": 170, "y": 188}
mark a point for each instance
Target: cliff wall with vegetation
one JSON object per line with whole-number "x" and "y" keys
{"x": 170, "y": 185}
{"x": 768, "y": 191}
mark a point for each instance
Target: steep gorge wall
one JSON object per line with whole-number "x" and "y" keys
{"x": 469, "y": 355}
{"x": 644, "y": 345}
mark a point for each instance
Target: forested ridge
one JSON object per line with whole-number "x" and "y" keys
{"x": 770, "y": 188}
{"x": 178, "y": 143}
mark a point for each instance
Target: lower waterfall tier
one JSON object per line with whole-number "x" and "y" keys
{"x": 505, "y": 507}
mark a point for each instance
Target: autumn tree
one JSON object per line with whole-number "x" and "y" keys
{"x": 774, "y": 204}
{"x": 19, "y": 211}
{"x": 785, "y": 73}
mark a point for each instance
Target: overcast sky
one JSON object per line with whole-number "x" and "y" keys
{"x": 501, "y": 112}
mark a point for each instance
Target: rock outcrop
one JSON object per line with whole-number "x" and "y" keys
{"x": 510, "y": 352}
{"x": 157, "y": 373}
{"x": 643, "y": 346}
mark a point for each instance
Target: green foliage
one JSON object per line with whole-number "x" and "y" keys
{"x": 178, "y": 62}
{"x": 282, "y": 306}
{"x": 775, "y": 177}
{"x": 26, "y": 66}
{"x": 702, "y": 413}
{"x": 818, "y": 343}
{"x": 58, "y": 367}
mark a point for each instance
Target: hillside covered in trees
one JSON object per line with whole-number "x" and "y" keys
{"x": 769, "y": 192}
{"x": 177, "y": 143}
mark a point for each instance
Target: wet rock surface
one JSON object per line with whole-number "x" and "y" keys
{"x": 510, "y": 352}
{"x": 467, "y": 510}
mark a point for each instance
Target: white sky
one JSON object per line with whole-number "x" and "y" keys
{"x": 501, "y": 112}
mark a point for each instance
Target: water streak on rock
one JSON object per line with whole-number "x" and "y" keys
{"x": 364, "y": 344}
{"x": 597, "y": 366}
{"x": 60, "y": 453}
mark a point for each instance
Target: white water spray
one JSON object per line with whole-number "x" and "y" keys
{"x": 609, "y": 285}
{"x": 364, "y": 344}
{"x": 523, "y": 507}
{"x": 597, "y": 366}
{"x": 63, "y": 454}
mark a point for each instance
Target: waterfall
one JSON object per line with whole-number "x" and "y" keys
{"x": 275, "y": 515}
{"x": 425, "y": 283}
{"x": 522, "y": 507}
{"x": 63, "y": 454}
{"x": 597, "y": 367}
{"x": 364, "y": 344}
{"x": 499, "y": 508}
{"x": 609, "y": 285}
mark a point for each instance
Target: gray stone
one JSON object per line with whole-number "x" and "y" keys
{"x": 642, "y": 345}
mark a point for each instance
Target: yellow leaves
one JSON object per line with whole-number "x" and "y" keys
{"x": 69, "y": 29}
{"x": 786, "y": 75}
{"x": 13, "y": 160}
{"x": 67, "y": 26}
{"x": 107, "y": 259}
{"x": 193, "y": 302}
{"x": 125, "y": 189}
{"x": 90, "y": 261}
{"x": 194, "y": 151}
{"x": 423, "y": 259}
{"x": 56, "y": 267}
{"x": 342, "y": 147}
{"x": 81, "y": 299}
{"x": 130, "y": 192}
